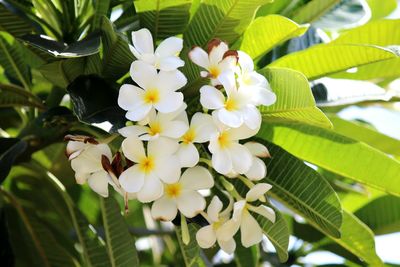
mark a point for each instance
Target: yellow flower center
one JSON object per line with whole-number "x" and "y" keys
{"x": 223, "y": 140}
{"x": 155, "y": 129}
{"x": 231, "y": 104}
{"x": 151, "y": 96}
{"x": 173, "y": 190}
{"x": 146, "y": 165}
{"x": 189, "y": 136}
{"x": 214, "y": 71}
{"x": 216, "y": 225}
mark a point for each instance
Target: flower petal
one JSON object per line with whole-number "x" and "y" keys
{"x": 257, "y": 170}
{"x": 206, "y": 236}
{"x": 251, "y": 232}
{"x": 241, "y": 158}
{"x": 130, "y": 96}
{"x": 242, "y": 132}
{"x": 265, "y": 211}
{"x": 257, "y": 149}
{"x": 217, "y": 52}
{"x": 188, "y": 155}
{"x": 164, "y": 209}
{"x": 199, "y": 57}
{"x": 265, "y": 97}
{"x": 143, "y": 41}
{"x": 152, "y": 189}
{"x": 204, "y": 128}
{"x": 171, "y": 80}
{"x": 226, "y": 231}
{"x": 168, "y": 169}
{"x": 257, "y": 191}
{"x": 175, "y": 129}
{"x": 214, "y": 209}
{"x": 170, "y": 63}
{"x": 190, "y": 203}
{"x": 134, "y": 130}
{"x": 228, "y": 246}
{"x": 227, "y": 79}
{"x": 170, "y": 102}
{"x": 196, "y": 178}
{"x": 143, "y": 74}
{"x": 232, "y": 119}
{"x": 132, "y": 179}
{"x": 221, "y": 161}
{"x": 89, "y": 160}
{"x": 162, "y": 147}
{"x": 252, "y": 117}
{"x": 171, "y": 46}
{"x": 74, "y": 146}
{"x": 238, "y": 209}
{"x": 211, "y": 98}
{"x": 98, "y": 182}
{"x": 139, "y": 112}
{"x": 133, "y": 148}
{"x": 245, "y": 62}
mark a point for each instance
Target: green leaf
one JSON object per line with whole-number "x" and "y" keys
{"x": 338, "y": 154}
{"x": 224, "y": 19}
{"x": 10, "y": 149}
{"x": 191, "y": 252}
{"x": 12, "y": 59}
{"x": 313, "y": 10}
{"x": 12, "y": 95}
{"x": 357, "y": 238}
{"x": 326, "y": 59}
{"x": 15, "y": 24}
{"x": 120, "y": 244}
{"x": 381, "y": 9}
{"x": 117, "y": 57}
{"x": 360, "y": 132}
{"x": 164, "y": 18}
{"x": 303, "y": 190}
{"x": 382, "y": 215}
{"x": 295, "y": 102}
{"x": 100, "y": 9}
{"x": 246, "y": 257}
{"x": 264, "y": 33}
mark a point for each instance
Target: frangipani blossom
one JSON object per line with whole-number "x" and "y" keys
{"x": 158, "y": 164}
{"x": 201, "y": 129}
{"x": 157, "y": 90}
{"x": 165, "y": 57}
{"x": 87, "y": 165}
{"x": 234, "y": 110}
{"x": 218, "y": 59}
{"x": 208, "y": 235}
{"x": 250, "y": 230}
{"x": 257, "y": 170}
{"x": 159, "y": 125}
{"x": 254, "y": 84}
{"x": 228, "y": 155}
{"x": 183, "y": 195}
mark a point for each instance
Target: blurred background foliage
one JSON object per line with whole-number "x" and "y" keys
{"x": 336, "y": 181}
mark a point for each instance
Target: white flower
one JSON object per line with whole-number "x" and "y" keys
{"x": 208, "y": 235}
{"x": 250, "y": 230}
{"x": 228, "y": 156}
{"x": 159, "y": 125}
{"x": 257, "y": 170}
{"x": 86, "y": 162}
{"x": 255, "y": 84}
{"x": 218, "y": 59}
{"x": 183, "y": 195}
{"x": 158, "y": 164}
{"x": 235, "y": 110}
{"x": 166, "y": 55}
{"x": 201, "y": 129}
{"x": 157, "y": 90}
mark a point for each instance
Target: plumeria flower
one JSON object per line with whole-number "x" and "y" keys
{"x": 201, "y": 128}
{"x": 228, "y": 155}
{"x": 159, "y": 125}
{"x": 257, "y": 170}
{"x": 218, "y": 59}
{"x": 157, "y": 90}
{"x": 255, "y": 84}
{"x": 234, "y": 110}
{"x": 86, "y": 162}
{"x": 158, "y": 164}
{"x": 183, "y": 195}
{"x": 165, "y": 57}
{"x": 208, "y": 235}
{"x": 250, "y": 230}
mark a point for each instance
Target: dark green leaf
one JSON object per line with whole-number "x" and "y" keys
{"x": 12, "y": 20}
{"x": 10, "y": 149}
{"x": 246, "y": 257}
{"x": 100, "y": 9}
{"x": 12, "y": 95}
{"x": 191, "y": 252}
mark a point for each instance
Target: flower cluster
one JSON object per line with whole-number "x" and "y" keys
{"x": 171, "y": 156}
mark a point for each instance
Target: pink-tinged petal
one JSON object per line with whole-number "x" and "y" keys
{"x": 190, "y": 203}
{"x": 133, "y": 149}
{"x": 134, "y": 130}
{"x": 188, "y": 155}
{"x": 168, "y": 169}
{"x": 257, "y": 170}
{"x": 171, "y": 46}
{"x": 264, "y": 211}
{"x": 164, "y": 209}
{"x": 74, "y": 148}
{"x": 245, "y": 62}
{"x": 214, "y": 209}
{"x": 257, "y": 149}
{"x": 196, "y": 178}
{"x": 211, "y": 97}
{"x": 132, "y": 179}
{"x": 143, "y": 41}
{"x": 152, "y": 189}
{"x": 251, "y": 232}
{"x": 217, "y": 52}
{"x": 199, "y": 57}
{"x": 162, "y": 147}
{"x": 170, "y": 63}
{"x": 257, "y": 191}
{"x": 130, "y": 96}
{"x": 241, "y": 158}
{"x": 222, "y": 162}
{"x": 143, "y": 74}
{"x": 232, "y": 119}
{"x": 171, "y": 80}
{"x": 252, "y": 117}
{"x": 206, "y": 236}
{"x": 170, "y": 102}
{"x": 98, "y": 182}
{"x": 139, "y": 112}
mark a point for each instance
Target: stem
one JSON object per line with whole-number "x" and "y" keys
{"x": 230, "y": 188}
